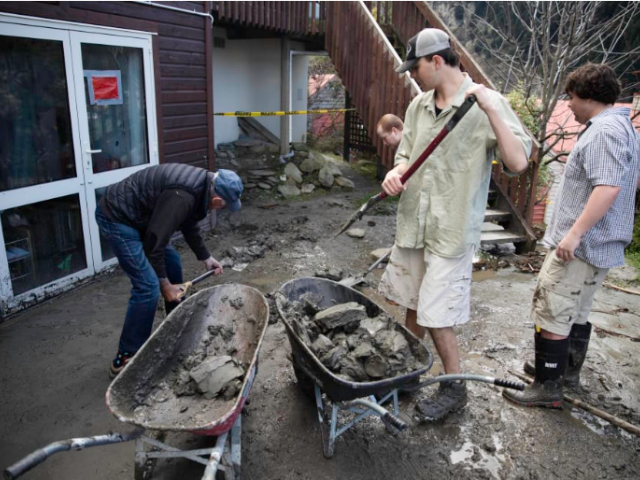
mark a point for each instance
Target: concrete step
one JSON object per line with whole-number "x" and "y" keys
{"x": 500, "y": 236}
{"x": 491, "y": 215}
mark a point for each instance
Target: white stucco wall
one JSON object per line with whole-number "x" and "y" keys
{"x": 299, "y": 96}
{"x": 246, "y": 76}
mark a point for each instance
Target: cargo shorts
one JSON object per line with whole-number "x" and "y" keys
{"x": 439, "y": 288}
{"x": 564, "y": 293}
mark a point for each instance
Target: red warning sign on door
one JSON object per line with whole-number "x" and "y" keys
{"x": 105, "y": 88}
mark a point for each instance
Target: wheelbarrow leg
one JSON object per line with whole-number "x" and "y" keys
{"x": 328, "y": 432}
{"x": 215, "y": 458}
{"x": 236, "y": 447}
{"x": 141, "y": 460}
{"x": 144, "y": 464}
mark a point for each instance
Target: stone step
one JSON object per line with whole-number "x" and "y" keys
{"x": 491, "y": 214}
{"x": 500, "y": 236}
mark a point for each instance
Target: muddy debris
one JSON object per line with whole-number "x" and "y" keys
{"x": 334, "y": 274}
{"x": 218, "y": 375}
{"x": 211, "y": 371}
{"x": 351, "y": 344}
{"x": 237, "y": 303}
{"x": 530, "y": 262}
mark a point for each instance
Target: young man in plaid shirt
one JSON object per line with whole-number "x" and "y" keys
{"x": 592, "y": 223}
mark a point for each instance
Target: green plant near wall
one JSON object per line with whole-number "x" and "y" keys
{"x": 527, "y": 108}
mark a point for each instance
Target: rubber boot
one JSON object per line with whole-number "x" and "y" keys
{"x": 546, "y": 389}
{"x": 578, "y": 346}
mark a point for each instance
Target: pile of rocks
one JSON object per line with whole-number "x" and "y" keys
{"x": 350, "y": 343}
{"x": 245, "y": 153}
{"x": 238, "y": 258}
{"x": 308, "y": 170}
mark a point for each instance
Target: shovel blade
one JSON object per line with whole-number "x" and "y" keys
{"x": 351, "y": 281}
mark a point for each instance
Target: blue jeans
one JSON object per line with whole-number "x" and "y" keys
{"x": 145, "y": 292}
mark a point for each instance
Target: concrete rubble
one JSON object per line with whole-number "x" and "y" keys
{"x": 353, "y": 345}
{"x": 218, "y": 375}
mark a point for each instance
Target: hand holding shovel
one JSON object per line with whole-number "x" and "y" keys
{"x": 185, "y": 286}
{"x": 464, "y": 108}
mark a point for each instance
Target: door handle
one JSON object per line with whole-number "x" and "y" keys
{"x": 94, "y": 151}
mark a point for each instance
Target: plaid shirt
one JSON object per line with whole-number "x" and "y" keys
{"x": 607, "y": 153}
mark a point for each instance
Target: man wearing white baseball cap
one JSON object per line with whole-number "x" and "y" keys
{"x": 442, "y": 205}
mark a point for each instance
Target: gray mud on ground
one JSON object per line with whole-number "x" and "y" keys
{"x": 54, "y": 361}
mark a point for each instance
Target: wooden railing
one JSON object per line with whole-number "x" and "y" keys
{"x": 406, "y": 19}
{"x": 365, "y": 61}
{"x": 301, "y": 18}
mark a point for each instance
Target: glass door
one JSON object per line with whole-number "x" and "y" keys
{"x": 77, "y": 113}
{"x": 114, "y": 81}
{"x": 44, "y": 222}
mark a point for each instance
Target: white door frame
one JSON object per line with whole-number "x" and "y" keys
{"x": 95, "y": 181}
{"x": 85, "y": 183}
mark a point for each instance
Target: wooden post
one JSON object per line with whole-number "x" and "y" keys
{"x": 347, "y": 128}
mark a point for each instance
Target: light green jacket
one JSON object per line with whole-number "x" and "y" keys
{"x": 443, "y": 206}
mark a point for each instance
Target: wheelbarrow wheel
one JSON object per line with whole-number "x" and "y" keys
{"x": 304, "y": 383}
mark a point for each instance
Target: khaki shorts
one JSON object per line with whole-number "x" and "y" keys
{"x": 564, "y": 293}
{"x": 438, "y": 288}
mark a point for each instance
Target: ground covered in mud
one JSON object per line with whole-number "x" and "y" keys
{"x": 54, "y": 360}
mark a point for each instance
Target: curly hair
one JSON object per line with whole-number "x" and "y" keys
{"x": 595, "y": 82}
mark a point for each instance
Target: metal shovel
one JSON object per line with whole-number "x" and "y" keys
{"x": 462, "y": 111}
{"x": 351, "y": 281}
{"x": 185, "y": 286}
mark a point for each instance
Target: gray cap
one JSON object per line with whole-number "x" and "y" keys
{"x": 428, "y": 41}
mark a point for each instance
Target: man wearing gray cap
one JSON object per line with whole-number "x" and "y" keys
{"x": 138, "y": 216}
{"x": 442, "y": 206}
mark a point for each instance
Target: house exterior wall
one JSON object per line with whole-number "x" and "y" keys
{"x": 179, "y": 51}
{"x": 247, "y": 76}
{"x": 299, "y": 96}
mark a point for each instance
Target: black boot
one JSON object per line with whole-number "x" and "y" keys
{"x": 546, "y": 389}
{"x": 450, "y": 397}
{"x": 578, "y": 346}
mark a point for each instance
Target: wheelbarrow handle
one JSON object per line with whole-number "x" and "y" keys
{"x": 385, "y": 414}
{"x": 36, "y": 458}
{"x": 498, "y": 382}
{"x": 395, "y": 421}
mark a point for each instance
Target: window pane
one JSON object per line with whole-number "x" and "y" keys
{"x": 35, "y": 124}
{"x": 116, "y": 106}
{"x": 44, "y": 242}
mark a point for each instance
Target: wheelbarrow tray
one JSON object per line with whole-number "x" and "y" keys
{"x": 336, "y": 388}
{"x": 175, "y": 339}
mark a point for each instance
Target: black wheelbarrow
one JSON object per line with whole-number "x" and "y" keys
{"x": 362, "y": 398}
{"x": 242, "y": 308}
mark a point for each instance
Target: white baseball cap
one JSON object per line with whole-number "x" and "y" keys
{"x": 428, "y": 41}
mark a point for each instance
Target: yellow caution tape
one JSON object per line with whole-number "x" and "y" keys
{"x": 279, "y": 114}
